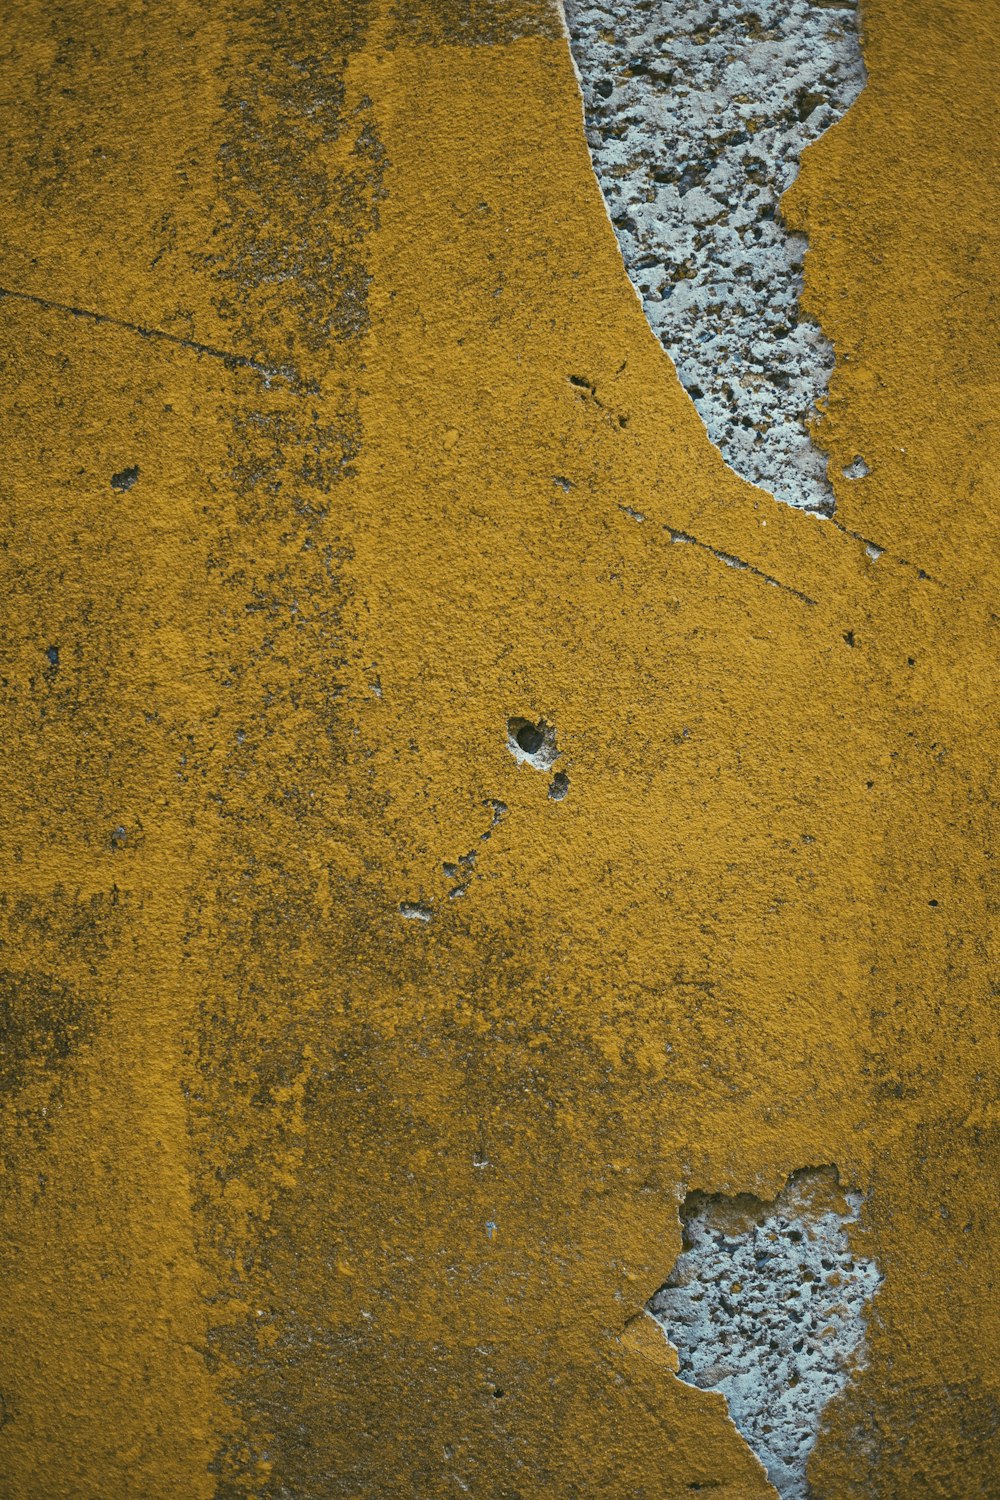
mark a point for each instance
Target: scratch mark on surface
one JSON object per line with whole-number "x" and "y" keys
{"x": 588, "y": 391}
{"x": 724, "y": 557}
{"x": 231, "y": 360}
{"x": 875, "y": 551}
{"x": 737, "y": 562}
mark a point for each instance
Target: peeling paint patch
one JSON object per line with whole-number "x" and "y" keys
{"x": 697, "y": 116}
{"x": 767, "y": 1304}
{"x": 126, "y": 479}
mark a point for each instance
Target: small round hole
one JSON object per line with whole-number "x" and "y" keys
{"x": 532, "y": 742}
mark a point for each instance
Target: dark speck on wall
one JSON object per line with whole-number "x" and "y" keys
{"x": 125, "y": 479}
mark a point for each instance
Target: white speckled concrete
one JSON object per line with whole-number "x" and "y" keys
{"x": 697, "y": 115}
{"x": 767, "y": 1304}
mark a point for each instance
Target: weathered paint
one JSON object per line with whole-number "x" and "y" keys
{"x": 697, "y": 114}
{"x": 303, "y": 1198}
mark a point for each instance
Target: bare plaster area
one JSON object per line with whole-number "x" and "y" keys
{"x": 697, "y": 115}
{"x": 767, "y": 1303}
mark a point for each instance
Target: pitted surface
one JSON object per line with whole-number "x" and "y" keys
{"x": 767, "y": 1304}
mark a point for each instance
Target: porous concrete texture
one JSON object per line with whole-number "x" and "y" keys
{"x": 698, "y": 112}
{"x": 329, "y": 414}
{"x": 767, "y": 1303}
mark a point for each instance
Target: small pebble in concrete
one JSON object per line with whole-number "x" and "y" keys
{"x": 531, "y": 743}
{"x": 125, "y": 479}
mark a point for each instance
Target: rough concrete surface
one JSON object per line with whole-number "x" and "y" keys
{"x": 697, "y": 116}
{"x": 767, "y": 1303}
{"x": 337, "y": 443}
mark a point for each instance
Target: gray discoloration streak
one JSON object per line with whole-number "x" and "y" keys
{"x": 42, "y": 1022}
{"x": 300, "y": 180}
{"x": 300, "y": 175}
{"x": 474, "y": 22}
{"x": 697, "y": 115}
{"x": 767, "y": 1304}
{"x": 54, "y": 986}
{"x": 532, "y": 744}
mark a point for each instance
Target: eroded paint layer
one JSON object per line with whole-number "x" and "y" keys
{"x": 767, "y": 1303}
{"x": 697, "y": 116}
{"x": 304, "y": 1196}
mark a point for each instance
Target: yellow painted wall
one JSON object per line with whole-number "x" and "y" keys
{"x": 304, "y": 1199}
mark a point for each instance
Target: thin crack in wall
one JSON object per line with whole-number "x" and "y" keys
{"x": 696, "y": 116}
{"x": 767, "y": 1304}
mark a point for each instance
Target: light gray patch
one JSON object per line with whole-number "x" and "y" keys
{"x": 697, "y": 114}
{"x": 767, "y": 1304}
{"x": 415, "y": 911}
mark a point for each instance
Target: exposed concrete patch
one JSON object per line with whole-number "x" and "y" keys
{"x": 532, "y": 744}
{"x": 415, "y": 911}
{"x": 766, "y": 1303}
{"x": 42, "y": 1023}
{"x": 697, "y": 115}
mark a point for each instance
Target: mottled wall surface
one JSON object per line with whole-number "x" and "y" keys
{"x": 335, "y": 438}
